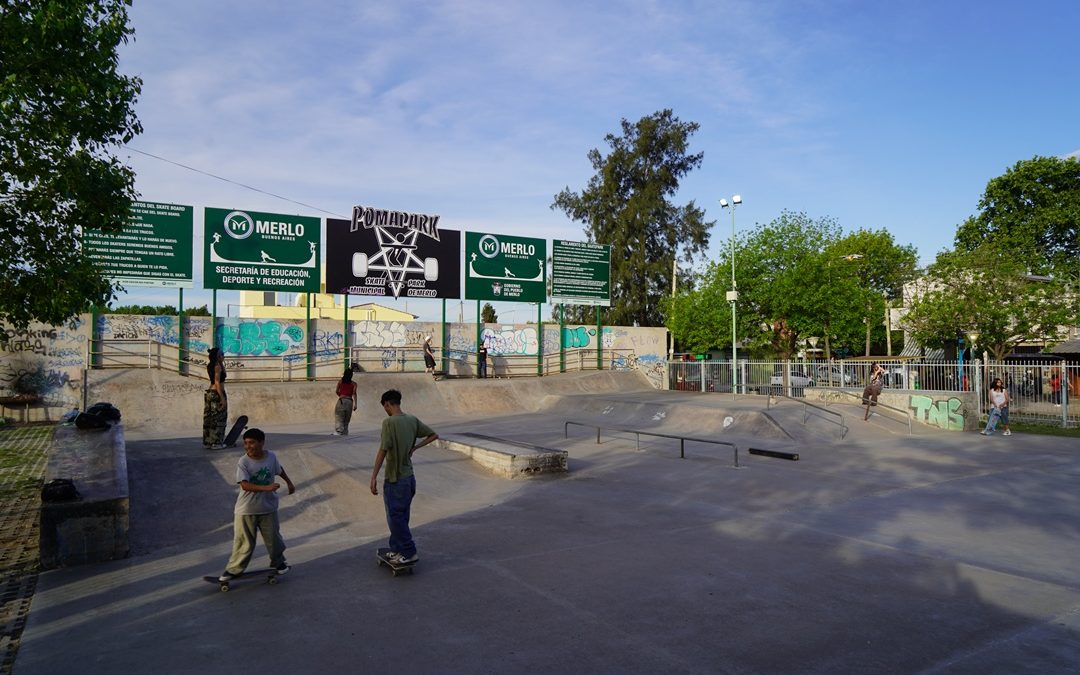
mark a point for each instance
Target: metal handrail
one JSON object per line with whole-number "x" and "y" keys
{"x": 806, "y": 413}
{"x": 878, "y": 404}
{"x": 637, "y": 433}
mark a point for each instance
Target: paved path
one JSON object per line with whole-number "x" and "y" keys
{"x": 876, "y": 553}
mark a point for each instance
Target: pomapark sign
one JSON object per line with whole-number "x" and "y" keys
{"x": 253, "y": 251}
{"x": 392, "y": 253}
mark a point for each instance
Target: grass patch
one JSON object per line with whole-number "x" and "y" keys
{"x": 1045, "y": 429}
{"x": 23, "y": 452}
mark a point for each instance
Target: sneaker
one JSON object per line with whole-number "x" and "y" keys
{"x": 983, "y": 432}
{"x": 1008, "y": 432}
{"x": 336, "y": 433}
{"x": 284, "y": 569}
{"x": 217, "y": 446}
{"x": 226, "y": 577}
{"x": 402, "y": 559}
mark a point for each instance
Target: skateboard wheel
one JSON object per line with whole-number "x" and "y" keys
{"x": 224, "y": 588}
{"x": 271, "y": 580}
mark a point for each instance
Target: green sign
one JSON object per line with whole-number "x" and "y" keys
{"x": 580, "y": 273}
{"x": 153, "y": 249}
{"x": 500, "y": 267}
{"x": 252, "y": 251}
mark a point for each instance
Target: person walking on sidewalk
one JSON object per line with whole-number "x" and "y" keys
{"x": 346, "y": 403}
{"x": 402, "y": 435}
{"x": 999, "y": 408}
{"x": 256, "y": 507}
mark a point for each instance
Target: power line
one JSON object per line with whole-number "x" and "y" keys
{"x": 233, "y": 182}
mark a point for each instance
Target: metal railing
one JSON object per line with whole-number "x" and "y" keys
{"x": 877, "y": 404}
{"x": 807, "y": 406}
{"x": 637, "y": 433}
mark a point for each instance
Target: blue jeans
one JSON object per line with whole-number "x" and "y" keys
{"x": 397, "y": 498}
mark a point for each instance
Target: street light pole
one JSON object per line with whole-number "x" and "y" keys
{"x": 733, "y": 294}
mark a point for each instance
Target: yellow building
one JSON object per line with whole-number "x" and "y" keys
{"x": 264, "y": 305}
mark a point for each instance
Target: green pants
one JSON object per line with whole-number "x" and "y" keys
{"x": 244, "y": 529}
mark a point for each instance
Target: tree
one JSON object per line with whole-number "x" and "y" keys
{"x": 1033, "y": 210}
{"x": 882, "y": 269}
{"x": 488, "y": 315}
{"x": 986, "y": 295}
{"x": 628, "y": 204}
{"x": 63, "y": 107}
{"x": 157, "y": 310}
{"x": 699, "y": 316}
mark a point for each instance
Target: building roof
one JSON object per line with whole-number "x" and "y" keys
{"x": 1067, "y": 347}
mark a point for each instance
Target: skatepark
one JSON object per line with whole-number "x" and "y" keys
{"x": 877, "y": 551}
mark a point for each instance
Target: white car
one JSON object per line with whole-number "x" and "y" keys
{"x": 836, "y": 376}
{"x": 797, "y": 379}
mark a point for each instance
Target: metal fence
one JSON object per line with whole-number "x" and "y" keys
{"x": 1041, "y": 389}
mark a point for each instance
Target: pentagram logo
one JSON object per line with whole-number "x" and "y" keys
{"x": 397, "y": 260}
{"x": 239, "y": 225}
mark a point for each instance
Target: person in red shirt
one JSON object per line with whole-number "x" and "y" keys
{"x": 346, "y": 403}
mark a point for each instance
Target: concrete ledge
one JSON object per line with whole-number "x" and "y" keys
{"x": 93, "y": 528}
{"x": 509, "y": 459}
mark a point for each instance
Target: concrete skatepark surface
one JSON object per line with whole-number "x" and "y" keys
{"x": 879, "y": 552}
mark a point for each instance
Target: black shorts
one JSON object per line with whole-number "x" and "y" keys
{"x": 429, "y": 361}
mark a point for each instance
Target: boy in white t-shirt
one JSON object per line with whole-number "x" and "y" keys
{"x": 257, "y": 507}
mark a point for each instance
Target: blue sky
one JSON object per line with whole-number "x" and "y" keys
{"x": 880, "y": 114}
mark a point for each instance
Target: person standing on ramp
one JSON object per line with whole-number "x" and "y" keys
{"x": 429, "y": 357}
{"x": 397, "y": 443}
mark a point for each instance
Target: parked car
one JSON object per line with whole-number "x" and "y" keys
{"x": 833, "y": 375}
{"x": 797, "y": 380}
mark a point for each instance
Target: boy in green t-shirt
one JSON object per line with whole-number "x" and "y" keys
{"x": 397, "y": 443}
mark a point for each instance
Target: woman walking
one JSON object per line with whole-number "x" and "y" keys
{"x": 346, "y": 403}
{"x": 215, "y": 402}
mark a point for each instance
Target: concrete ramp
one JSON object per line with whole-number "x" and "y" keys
{"x": 171, "y": 405}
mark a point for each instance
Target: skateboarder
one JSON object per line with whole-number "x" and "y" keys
{"x": 257, "y": 507}
{"x": 397, "y": 443}
{"x": 873, "y": 387}
{"x": 429, "y": 357}
{"x": 215, "y": 402}
{"x": 999, "y": 408}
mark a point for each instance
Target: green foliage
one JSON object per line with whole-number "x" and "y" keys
{"x": 63, "y": 107}
{"x": 628, "y": 204}
{"x": 987, "y": 293}
{"x": 797, "y": 277}
{"x": 1033, "y": 210}
{"x": 157, "y": 310}
{"x": 488, "y": 315}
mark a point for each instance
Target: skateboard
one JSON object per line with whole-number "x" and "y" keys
{"x": 380, "y": 557}
{"x": 991, "y": 424}
{"x": 234, "y": 434}
{"x": 270, "y": 574}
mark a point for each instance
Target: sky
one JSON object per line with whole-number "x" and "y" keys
{"x": 881, "y": 115}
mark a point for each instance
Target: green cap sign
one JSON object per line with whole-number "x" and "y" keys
{"x": 153, "y": 249}
{"x": 252, "y": 251}
{"x": 500, "y": 267}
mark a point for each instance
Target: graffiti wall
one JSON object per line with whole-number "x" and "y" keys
{"x": 45, "y": 363}
{"x": 288, "y": 349}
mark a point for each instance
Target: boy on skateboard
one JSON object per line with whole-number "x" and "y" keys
{"x": 257, "y": 507}
{"x": 397, "y": 443}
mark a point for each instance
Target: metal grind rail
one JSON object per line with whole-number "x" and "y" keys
{"x": 878, "y": 404}
{"x": 806, "y": 410}
{"x": 682, "y": 439}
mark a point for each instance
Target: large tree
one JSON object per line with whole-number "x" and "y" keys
{"x": 64, "y": 108}
{"x": 987, "y": 296}
{"x": 1033, "y": 210}
{"x": 629, "y": 204}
